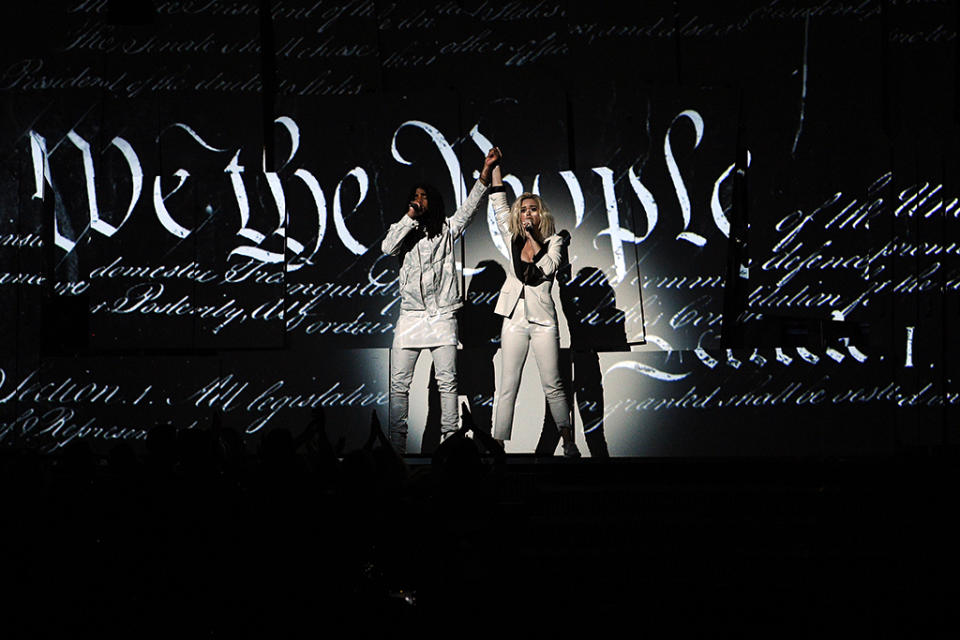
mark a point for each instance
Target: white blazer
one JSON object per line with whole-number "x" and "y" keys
{"x": 539, "y": 307}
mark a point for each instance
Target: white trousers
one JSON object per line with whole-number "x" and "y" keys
{"x": 402, "y": 364}
{"x": 516, "y": 337}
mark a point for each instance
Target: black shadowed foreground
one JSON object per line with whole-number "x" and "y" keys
{"x": 194, "y": 537}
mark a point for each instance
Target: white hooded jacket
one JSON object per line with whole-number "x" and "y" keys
{"x": 429, "y": 282}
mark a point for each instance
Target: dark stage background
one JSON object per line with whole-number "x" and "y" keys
{"x": 761, "y": 197}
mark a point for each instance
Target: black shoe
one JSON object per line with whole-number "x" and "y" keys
{"x": 570, "y": 450}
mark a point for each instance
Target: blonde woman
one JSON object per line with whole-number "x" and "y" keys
{"x": 529, "y": 315}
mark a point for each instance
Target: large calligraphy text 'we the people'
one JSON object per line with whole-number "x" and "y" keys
{"x": 297, "y": 253}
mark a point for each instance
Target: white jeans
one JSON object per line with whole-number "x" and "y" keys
{"x": 402, "y": 364}
{"x": 516, "y": 337}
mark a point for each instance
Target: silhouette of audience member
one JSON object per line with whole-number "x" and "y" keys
{"x": 162, "y": 448}
{"x": 460, "y": 474}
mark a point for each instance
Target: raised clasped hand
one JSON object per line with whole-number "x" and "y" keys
{"x": 493, "y": 157}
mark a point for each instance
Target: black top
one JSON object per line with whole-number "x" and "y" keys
{"x": 527, "y": 272}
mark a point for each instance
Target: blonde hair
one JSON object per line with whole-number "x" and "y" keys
{"x": 547, "y": 227}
